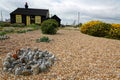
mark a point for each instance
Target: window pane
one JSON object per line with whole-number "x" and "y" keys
{"x": 18, "y": 19}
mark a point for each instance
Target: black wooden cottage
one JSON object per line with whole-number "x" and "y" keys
{"x": 57, "y": 19}
{"x": 31, "y": 16}
{"x": 28, "y": 15}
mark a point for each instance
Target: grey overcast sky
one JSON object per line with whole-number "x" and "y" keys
{"x": 67, "y": 10}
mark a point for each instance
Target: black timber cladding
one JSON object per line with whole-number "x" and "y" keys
{"x": 44, "y": 13}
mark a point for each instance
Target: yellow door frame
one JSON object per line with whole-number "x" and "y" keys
{"x": 27, "y": 20}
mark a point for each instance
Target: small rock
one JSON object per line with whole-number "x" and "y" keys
{"x": 6, "y": 64}
{"x": 43, "y": 67}
{"x": 35, "y": 49}
{"x": 26, "y": 72}
{"x": 18, "y": 71}
{"x": 35, "y": 69}
{"x": 5, "y": 69}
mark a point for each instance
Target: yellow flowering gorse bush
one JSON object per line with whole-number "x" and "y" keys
{"x": 115, "y": 31}
{"x": 87, "y": 25}
{"x": 101, "y": 29}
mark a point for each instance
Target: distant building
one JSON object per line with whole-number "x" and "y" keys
{"x": 28, "y": 16}
{"x": 57, "y": 19}
{"x": 7, "y": 20}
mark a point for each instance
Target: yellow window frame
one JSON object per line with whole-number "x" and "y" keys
{"x": 38, "y": 19}
{"x": 18, "y": 18}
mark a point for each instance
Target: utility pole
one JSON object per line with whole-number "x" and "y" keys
{"x": 78, "y": 18}
{"x": 1, "y": 16}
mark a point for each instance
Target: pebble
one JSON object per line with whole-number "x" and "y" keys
{"x": 26, "y": 62}
{"x": 36, "y": 69}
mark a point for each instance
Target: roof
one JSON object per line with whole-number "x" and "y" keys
{"x": 30, "y": 11}
{"x": 55, "y": 17}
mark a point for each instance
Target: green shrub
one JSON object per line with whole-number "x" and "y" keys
{"x": 18, "y": 25}
{"x": 5, "y": 24}
{"x": 49, "y": 26}
{"x": 43, "y": 39}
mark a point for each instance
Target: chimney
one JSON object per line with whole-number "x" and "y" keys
{"x": 26, "y": 5}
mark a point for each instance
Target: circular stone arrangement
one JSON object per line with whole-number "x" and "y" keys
{"x": 28, "y": 62}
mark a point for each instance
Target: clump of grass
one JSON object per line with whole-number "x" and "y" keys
{"x": 5, "y": 24}
{"x": 34, "y": 26}
{"x": 1, "y": 28}
{"x": 18, "y": 25}
{"x": 9, "y": 29}
{"x": 43, "y": 39}
{"x": 21, "y": 31}
{"x": 2, "y": 33}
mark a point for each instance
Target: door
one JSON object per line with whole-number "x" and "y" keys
{"x": 27, "y": 20}
{"x": 32, "y": 19}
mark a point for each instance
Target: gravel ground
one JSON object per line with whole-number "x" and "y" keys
{"x": 79, "y": 56}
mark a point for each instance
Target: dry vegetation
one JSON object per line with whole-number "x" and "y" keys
{"x": 79, "y": 56}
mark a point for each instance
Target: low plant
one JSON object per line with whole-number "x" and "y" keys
{"x": 29, "y": 29}
{"x": 43, "y": 39}
{"x": 2, "y": 33}
{"x": 18, "y": 25}
{"x": 9, "y": 29}
{"x": 5, "y": 24}
{"x": 1, "y": 28}
{"x": 21, "y": 31}
{"x": 34, "y": 26}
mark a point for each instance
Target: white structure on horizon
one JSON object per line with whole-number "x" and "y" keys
{"x": 1, "y": 16}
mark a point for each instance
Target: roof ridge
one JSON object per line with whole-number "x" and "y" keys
{"x": 31, "y": 11}
{"x": 33, "y": 8}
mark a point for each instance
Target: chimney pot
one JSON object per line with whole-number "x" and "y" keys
{"x": 26, "y": 5}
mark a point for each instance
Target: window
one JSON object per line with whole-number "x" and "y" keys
{"x": 18, "y": 19}
{"x": 38, "y": 19}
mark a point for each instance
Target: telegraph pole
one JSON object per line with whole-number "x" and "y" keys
{"x": 1, "y": 16}
{"x": 78, "y": 18}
